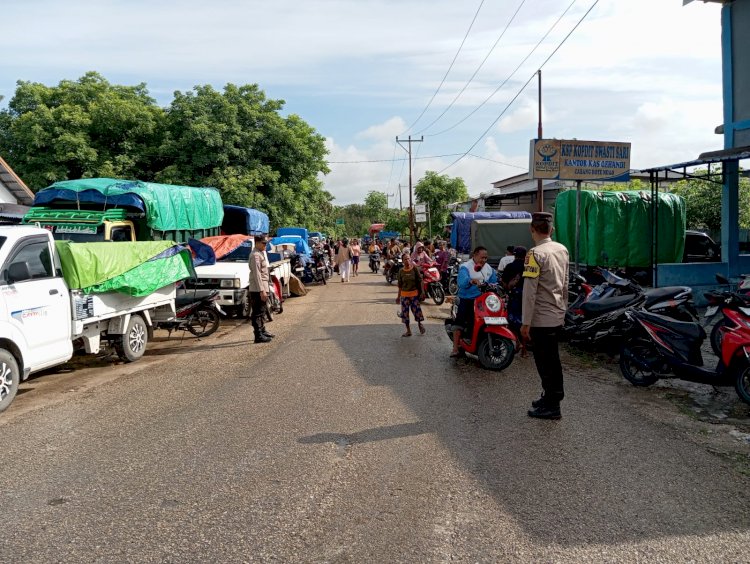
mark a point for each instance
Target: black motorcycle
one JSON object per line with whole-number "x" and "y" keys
{"x": 452, "y": 277}
{"x": 392, "y": 268}
{"x": 199, "y": 316}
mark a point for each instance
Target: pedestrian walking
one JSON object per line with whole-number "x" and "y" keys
{"x": 356, "y": 251}
{"x": 409, "y": 290}
{"x": 545, "y": 299}
{"x": 258, "y": 290}
{"x": 344, "y": 260}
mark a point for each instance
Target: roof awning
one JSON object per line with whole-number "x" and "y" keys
{"x": 711, "y": 157}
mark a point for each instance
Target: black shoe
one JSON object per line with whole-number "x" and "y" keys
{"x": 267, "y": 334}
{"x": 546, "y": 412}
{"x": 538, "y": 402}
{"x": 262, "y": 339}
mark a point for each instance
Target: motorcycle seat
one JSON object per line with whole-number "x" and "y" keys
{"x": 692, "y": 331}
{"x": 605, "y": 305}
{"x": 659, "y": 294}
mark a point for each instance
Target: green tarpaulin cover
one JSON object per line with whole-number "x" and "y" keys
{"x": 168, "y": 207}
{"x": 136, "y": 269}
{"x": 616, "y": 227}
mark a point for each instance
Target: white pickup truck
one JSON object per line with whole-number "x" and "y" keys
{"x": 41, "y": 318}
{"x": 231, "y": 277}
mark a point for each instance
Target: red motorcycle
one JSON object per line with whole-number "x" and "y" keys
{"x": 491, "y": 340}
{"x": 432, "y": 285}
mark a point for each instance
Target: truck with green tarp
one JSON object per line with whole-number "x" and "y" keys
{"x": 107, "y": 209}
{"x": 56, "y": 296}
{"x": 616, "y": 228}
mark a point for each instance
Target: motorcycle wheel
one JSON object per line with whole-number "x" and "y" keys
{"x": 438, "y": 294}
{"x": 498, "y": 357}
{"x": 204, "y": 322}
{"x": 453, "y": 286}
{"x": 742, "y": 383}
{"x": 389, "y": 277}
{"x": 716, "y": 336}
{"x": 274, "y": 305}
{"x": 631, "y": 370}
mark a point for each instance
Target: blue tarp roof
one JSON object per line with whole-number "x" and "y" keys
{"x": 299, "y": 231}
{"x": 461, "y": 230}
{"x": 300, "y": 244}
{"x": 244, "y": 221}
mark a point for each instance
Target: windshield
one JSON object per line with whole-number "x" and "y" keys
{"x": 79, "y": 237}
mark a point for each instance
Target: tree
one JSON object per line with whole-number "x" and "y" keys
{"x": 237, "y": 141}
{"x": 376, "y": 206}
{"x": 79, "y": 129}
{"x": 437, "y": 191}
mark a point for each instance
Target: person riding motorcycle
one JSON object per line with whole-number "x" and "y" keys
{"x": 472, "y": 274}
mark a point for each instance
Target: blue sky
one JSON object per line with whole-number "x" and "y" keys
{"x": 361, "y": 72}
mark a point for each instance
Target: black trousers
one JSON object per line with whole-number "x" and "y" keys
{"x": 547, "y": 358}
{"x": 257, "y": 313}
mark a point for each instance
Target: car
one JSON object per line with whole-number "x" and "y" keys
{"x": 699, "y": 247}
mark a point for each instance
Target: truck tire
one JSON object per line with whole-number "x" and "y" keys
{"x": 10, "y": 377}
{"x": 132, "y": 344}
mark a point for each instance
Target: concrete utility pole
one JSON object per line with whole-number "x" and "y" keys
{"x": 539, "y": 188}
{"x": 411, "y": 202}
{"x": 400, "y": 203}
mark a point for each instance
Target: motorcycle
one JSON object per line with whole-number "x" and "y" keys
{"x": 659, "y": 347}
{"x": 199, "y": 316}
{"x": 453, "y": 266}
{"x": 431, "y": 284}
{"x": 724, "y": 302}
{"x": 274, "y": 305}
{"x": 375, "y": 261}
{"x": 392, "y": 267}
{"x": 596, "y": 316}
{"x": 491, "y": 340}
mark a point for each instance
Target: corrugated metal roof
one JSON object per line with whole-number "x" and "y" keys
{"x": 728, "y": 155}
{"x": 15, "y": 185}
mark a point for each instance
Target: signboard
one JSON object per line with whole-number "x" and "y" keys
{"x": 559, "y": 159}
{"x": 340, "y": 222}
{"x": 420, "y": 218}
{"x": 420, "y": 208}
{"x": 72, "y": 228}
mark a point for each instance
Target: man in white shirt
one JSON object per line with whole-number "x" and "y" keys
{"x": 507, "y": 259}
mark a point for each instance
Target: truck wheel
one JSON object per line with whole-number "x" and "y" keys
{"x": 204, "y": 322}
{"x": 132, "y": 344}
{"x": 9, "y": 379}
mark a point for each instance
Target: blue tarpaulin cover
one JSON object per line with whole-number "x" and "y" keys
{"x": 461, "y": 230}
{"x": 299, "y": 231}
{"x": 300, "y": 244}
{"x": 244, "y": 221}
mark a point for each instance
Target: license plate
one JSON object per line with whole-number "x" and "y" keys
{"x": 711, "y": 311}
{"x": 496, "y": 320}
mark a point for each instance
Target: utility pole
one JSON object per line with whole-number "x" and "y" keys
{"x": 411, "y": 202}
{"x": 400, "y": 203}
{"x": 539, "y": 188}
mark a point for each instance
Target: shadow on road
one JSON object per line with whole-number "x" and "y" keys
{"x": 604, "y": 474}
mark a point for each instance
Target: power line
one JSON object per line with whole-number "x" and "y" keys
{"x": 496, "y": 161}
{"x": 476, "y": 71}
{"x": 523, "y": 87}
{"x": 394, "y": 160}
{"x": 475, "y": 110}
{"x": 449, "y": 69}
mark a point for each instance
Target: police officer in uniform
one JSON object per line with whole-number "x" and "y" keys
{"x": 258, "y": 289}
{"x": 545, "y": 299}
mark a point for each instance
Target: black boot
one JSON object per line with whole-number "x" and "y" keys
{"x": 538, "y": 402}
{"x": 267, "y": 334}
{"x": 261, "y": 338}
{"x": 546, "y": 412}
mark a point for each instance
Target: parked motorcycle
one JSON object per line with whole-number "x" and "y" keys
{"x": 431, "y": 284}
{"x": 375, "y": 261}
{"x": 490, "y": 338}
{"x": 659, "y": 347}
{"x": 199, "y": 316}
{"x": 724, "y": 302}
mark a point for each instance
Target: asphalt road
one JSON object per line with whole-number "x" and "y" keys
{"x": 342, "y": 441}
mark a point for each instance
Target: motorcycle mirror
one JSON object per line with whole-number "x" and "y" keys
{"x": 721, "y": 279}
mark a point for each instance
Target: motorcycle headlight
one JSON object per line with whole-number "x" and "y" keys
{"x": 493, "y": 303}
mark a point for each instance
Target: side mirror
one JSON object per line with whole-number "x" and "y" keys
{"x": 18, "y": 272}
{"x": 721, "y": 279}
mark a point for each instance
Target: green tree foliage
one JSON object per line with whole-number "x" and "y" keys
{"x": 703, "y": 202}
{"x": 236, "y": 140}
{"x": 437, "y": 191}
{"x": 376, "y": 207}
{"x": 81, "y": 129}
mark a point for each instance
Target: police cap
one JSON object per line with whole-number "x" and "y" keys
{"x": 541, "y": 216}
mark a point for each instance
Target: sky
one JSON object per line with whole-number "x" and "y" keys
{"x": 459, "y": 76}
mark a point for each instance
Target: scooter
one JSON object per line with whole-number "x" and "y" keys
{"x": 723, "y": 302}
{"x": 431, "y": 285}
{"x": 660, "y": 347}
{"x": 199, "y": 316}
{"x": 453, "y": 265}
{"x": 490, "y": 340}
{"x": 391, "y": 268}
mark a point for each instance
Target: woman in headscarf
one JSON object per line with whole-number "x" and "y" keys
{"x": 420, "y": 257}
{"x": 409, "y": 289}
